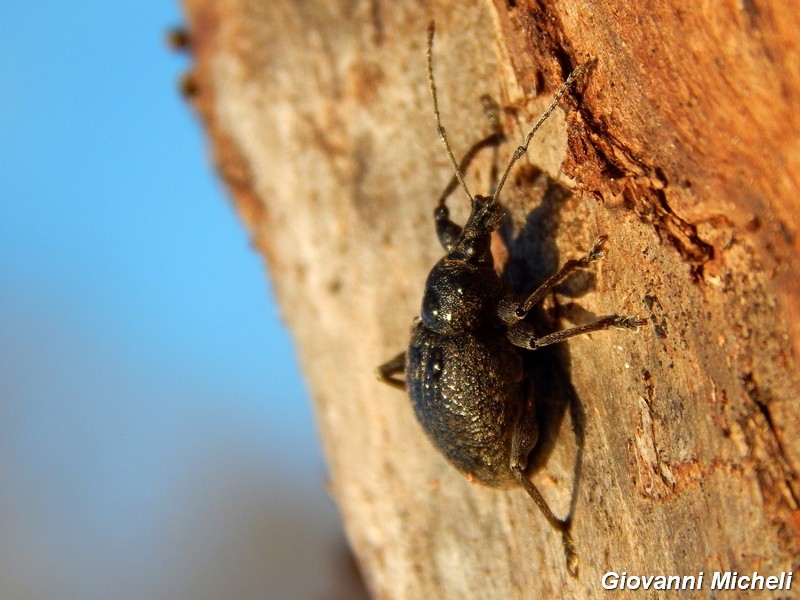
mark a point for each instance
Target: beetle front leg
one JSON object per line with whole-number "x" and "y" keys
{"x": 446, "y": 230}
{"x": 523, "y": 441}
{"x": 512, "y": 311}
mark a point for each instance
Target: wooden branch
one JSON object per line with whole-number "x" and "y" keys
{"x": 680, "y": 144}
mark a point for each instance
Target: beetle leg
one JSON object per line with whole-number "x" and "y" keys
{"x": 522, "y": 442}
{"x": 511, "y": 312}
{"x": 387, "y": 371}
{"x": 521, "y": 336}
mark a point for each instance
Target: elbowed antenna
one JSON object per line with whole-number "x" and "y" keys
{"x": 524, "y": 147}
{"x": 439, "y": 128}
{"x": 520, "y": 149}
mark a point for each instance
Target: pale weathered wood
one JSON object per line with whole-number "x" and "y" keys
{"x": 683, "y": 143}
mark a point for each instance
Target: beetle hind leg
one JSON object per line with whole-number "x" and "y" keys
{"x": 524, "y": 439}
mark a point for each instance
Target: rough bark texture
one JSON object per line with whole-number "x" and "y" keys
{"x": 682, "y": 144}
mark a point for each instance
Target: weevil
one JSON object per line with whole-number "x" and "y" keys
{"x": 463, "y": 366}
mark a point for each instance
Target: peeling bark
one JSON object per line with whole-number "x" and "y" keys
{"x": 681, "y": 144}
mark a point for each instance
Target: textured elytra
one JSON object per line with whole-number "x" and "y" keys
{"x": 466, "y": 393}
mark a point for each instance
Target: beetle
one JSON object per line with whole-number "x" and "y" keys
{"x": 463, "y": 366}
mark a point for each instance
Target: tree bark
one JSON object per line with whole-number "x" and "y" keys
{"x": 675, "y": 449}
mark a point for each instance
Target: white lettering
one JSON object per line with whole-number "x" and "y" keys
{"x": 614, "y": 577}
{"x": 756, "y": 580}
{"x": 721, "y": 581}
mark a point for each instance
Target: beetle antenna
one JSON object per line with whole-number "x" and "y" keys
{"x": 439, "y": 128}
{"x": 524, "y": 147}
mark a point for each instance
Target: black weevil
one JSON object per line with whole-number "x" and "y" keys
{"x": 463, "y": 367}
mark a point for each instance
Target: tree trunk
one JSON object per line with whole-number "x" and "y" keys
{"x": 676, "y": 447}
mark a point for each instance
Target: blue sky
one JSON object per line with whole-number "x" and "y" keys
{"x": 144, "y": 372}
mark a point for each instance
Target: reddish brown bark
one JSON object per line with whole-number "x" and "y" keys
{"x": 682, "y": 145}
